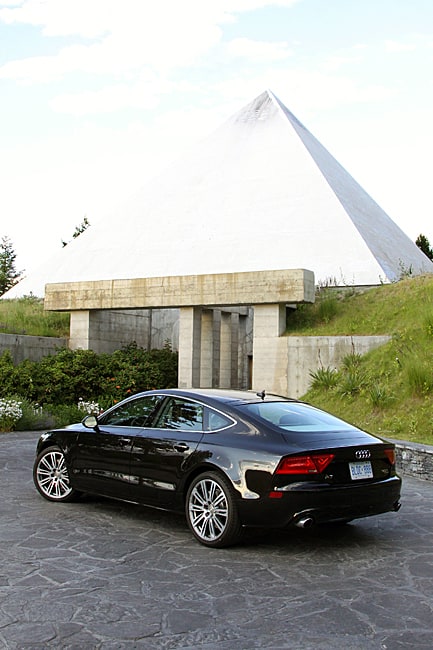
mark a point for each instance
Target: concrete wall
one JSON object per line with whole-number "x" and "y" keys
{"x": 307, "y": 354}
{"x": 110, "y": 330}
{"x": 282, "y": 364}
{"x": 30, "y": 347}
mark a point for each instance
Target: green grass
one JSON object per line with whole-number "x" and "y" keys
{"x": 383, "y": 310}
{"x": 389, "y": 391}
{"x": 27, "y": 316}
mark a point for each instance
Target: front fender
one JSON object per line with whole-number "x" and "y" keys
{"x": 62, "y": 439}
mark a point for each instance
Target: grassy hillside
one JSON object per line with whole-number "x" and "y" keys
{"x": 390, "y": 390}
{"x": 27, "y": 316}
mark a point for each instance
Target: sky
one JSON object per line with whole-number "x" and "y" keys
{"x": 97, "y": 96}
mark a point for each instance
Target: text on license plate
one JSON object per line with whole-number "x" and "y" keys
{"x": 361, "y": 470}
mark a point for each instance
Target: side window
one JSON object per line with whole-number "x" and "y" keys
{"x": 135, "y": 413}
{"x": 182, "y": 415}
{"x": 217, "y": 421}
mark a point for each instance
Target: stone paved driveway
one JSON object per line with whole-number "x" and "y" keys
{"x": 100, "y": 574}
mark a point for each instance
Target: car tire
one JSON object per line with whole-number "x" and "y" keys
{"x": 211, "y": 511}
{"x": 50, "y": 476}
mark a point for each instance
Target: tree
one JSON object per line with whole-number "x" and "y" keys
{"x": 423, "y": 243}
{"x": 9, "y": 276}
{"x": 78, "y": 230}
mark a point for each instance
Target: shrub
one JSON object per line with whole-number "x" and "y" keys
{"x": 133, "y": 369}
{"x": 378, "y": 395}
{"x": 351, "y": 383}
{"x": 37, "y": 418}
{"x": 71, "y": 375}
{"x": 351, "y": 361}
{"x": 65, "y": 377}
{"x": 324, "y": 378}
{"x": 50, "y": 416}
{"x": 7, "y": 374}
{"x": 63, "y": 414}
{"x": 33, "y": 417}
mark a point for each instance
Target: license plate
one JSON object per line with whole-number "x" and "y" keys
{"x": 361, "y": 470}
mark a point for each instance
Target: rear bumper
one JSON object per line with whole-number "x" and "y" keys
{"x": 322, "y": 503}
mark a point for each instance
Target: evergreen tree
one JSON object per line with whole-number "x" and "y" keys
{"x": 423, "y": 243}
{"x": 9, "y": 276}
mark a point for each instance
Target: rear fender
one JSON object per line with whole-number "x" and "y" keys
{"x": 236, "y": 466}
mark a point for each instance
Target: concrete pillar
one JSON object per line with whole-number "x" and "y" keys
{"x": 80, "y": 330}
{"x": 209, "y": 348}
{"x": 216, "y": 348}
{"x": 269, "y": 361}
{"x": 243, "y": 358}
{"x": 189, "y": 347}
{"x": 207, "y": 352}
{"x": 234, "y": 363}
{"x": 269, "y": 320}
{"x": 226, "y": 351}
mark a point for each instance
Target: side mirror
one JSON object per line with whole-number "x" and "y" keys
{"x": 90, "y": 422}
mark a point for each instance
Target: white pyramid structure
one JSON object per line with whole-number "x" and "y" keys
{"x": 260, "y": 193}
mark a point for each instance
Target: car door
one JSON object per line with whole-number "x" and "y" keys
{"x": 161, "y": 453}
{"x": 102, "y": 458}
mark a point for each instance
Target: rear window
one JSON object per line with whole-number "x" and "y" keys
{"x": 292, "y": 416}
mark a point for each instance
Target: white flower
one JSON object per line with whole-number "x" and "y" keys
{"x": 10, "y": 413}
{"x": 92, "y": 408}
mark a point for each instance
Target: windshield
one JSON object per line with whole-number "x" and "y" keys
{"x": 294, "y": 416}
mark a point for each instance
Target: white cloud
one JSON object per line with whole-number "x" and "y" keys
{"x": 398, "y": 46}
{"x": 258, "y": 50}
{"x": 32, "y": 70}
{"x": 129, "y": 34}
{"x": 92, "y": 19}
{"x": 111, "y": 98}
{"x": 160, "y": 48}
{"x": 249, "y": 5}
{"x": 336, "y": 62}
{"x": 66, "y": 17}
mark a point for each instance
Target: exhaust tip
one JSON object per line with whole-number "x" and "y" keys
{"x": 305, "y": 522}
{"x": 397, "y": 506}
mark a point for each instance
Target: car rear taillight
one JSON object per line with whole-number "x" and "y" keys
{"x": 311, "y": 464}
{"x": 390, "y": 454}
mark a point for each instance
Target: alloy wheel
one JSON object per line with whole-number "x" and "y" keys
{"x": 211, "y": 511}
{"x": 51, "y": 475}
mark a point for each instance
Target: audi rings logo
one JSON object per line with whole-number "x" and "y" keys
{"x": 361, "y": 454}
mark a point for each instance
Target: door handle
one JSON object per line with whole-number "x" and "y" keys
{"x": 181, "y": 446}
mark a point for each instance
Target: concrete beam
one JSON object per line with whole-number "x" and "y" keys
{"x": 210, "y": 290}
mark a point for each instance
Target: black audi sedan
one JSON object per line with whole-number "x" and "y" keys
{"x": 228, "y": 459}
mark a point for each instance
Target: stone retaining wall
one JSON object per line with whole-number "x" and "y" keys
{"x": 414, "y": 459}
